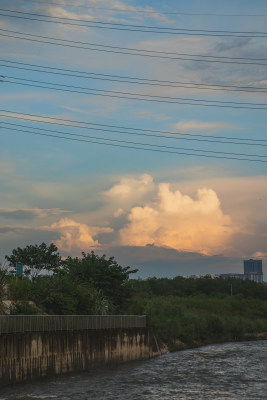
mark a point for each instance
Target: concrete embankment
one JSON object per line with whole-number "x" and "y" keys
{"x": 29, "y": 355}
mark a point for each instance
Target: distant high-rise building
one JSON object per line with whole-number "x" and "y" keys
{"x": 253, "y": 270}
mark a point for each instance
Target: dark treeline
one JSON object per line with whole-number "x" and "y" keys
{"x": 182, "y": 287}
{"x": 182, "y": 312}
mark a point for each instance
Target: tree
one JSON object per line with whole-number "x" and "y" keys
{"x": 61, "y": 295}
{"x": 36, "y": 258}
{"x": 103, "y": 274}
{"x": 3, "y": 283}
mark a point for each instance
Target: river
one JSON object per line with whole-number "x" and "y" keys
{"x": 225, "y": 371}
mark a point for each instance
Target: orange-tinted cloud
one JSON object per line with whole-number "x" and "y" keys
{"x": 180, "y": 222}
{"x": 130, "y": 188}
{"x": 76, "y": 236}
{"x": 259, "y": 254}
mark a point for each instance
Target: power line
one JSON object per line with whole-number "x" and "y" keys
{"x": 97, "y": 137}
{"x": 142, "y": 11}
{"x": 129, "y": 142}
{"x": 133, "y": 145}
{"x": 136, "y": 96}
{"x": 129, "y": 79}
{"x": 100, "y": 127}
{"x": 123, "y": 129}
{"x": 131, "y": 51}
{"x": 223, "y": 59}
{"x": 132, "y": 27}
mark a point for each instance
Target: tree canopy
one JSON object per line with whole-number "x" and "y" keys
{"x": 36, "y": 258}
{"x": 90, "y": 284}
{"x": 105, "y": 274}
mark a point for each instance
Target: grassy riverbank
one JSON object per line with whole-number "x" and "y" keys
{"x": 203, "y": 315}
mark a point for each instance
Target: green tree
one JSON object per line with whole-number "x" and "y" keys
{"x": 103, "y": 274}
{"x": 36, "y": 258}
{"x": 3, "y": 283}
{"x": 60, "y": 294}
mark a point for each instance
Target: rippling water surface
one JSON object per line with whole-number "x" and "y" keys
{"x": 227, "y": 371}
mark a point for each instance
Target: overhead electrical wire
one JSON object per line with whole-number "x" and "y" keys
{"x": 134, "y": 96}
{"x": 2, "y": 124}
{"x": 137, "y": 10}
{"x": 96, "y": 127}
{"x": 132, "y": 27}
{"x": 144, "y": 97}
{"x": 130, "y": 130}
{"x": 132, "y": 51}
{"x": 128, "y": 79}
{"x": 133, "y": 145}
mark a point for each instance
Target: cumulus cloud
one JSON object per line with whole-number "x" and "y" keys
{"x": 178, "y": 221}
{"x": 194, "y": 125}
{"x": 131, "y": 190}
{"x": 138, "y": 211}
{"x": 75, "y": 235}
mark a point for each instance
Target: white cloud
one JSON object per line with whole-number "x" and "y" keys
{"x": 60, "y": 12}
{"x": 131, "y": 190}
{"x": 194, "y": 125}
{"x": 142, "y": 12}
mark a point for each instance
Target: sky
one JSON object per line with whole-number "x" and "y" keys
{"x": 135, "y": 129}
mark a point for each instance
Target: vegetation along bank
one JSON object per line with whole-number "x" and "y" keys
{"x": 182, "y": 312}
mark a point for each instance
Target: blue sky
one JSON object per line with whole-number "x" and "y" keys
{"x": 115, "y": 199}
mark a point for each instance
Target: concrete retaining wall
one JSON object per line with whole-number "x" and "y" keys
{"x": 33, "y": 355}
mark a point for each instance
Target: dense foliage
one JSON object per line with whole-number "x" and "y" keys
{"x": 189, "y": 312}
{"x": 3, "y": 283}
{"x": 182, "y": 287}
{"x": 87, "y": 285}
{"x": 35, "y": 258}
{"x": 181, "y": 312}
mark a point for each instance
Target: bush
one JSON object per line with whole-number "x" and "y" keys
{"x": 23, "y": 308}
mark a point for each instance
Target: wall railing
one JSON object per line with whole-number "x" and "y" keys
{"x": 43, "y": 323}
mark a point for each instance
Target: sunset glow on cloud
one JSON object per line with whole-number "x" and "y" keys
{"x": 75, "y": 235}
{"x": 131, "y": 190}
{"x": 139, "y": 211}
{"x": 180, "y": 222}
